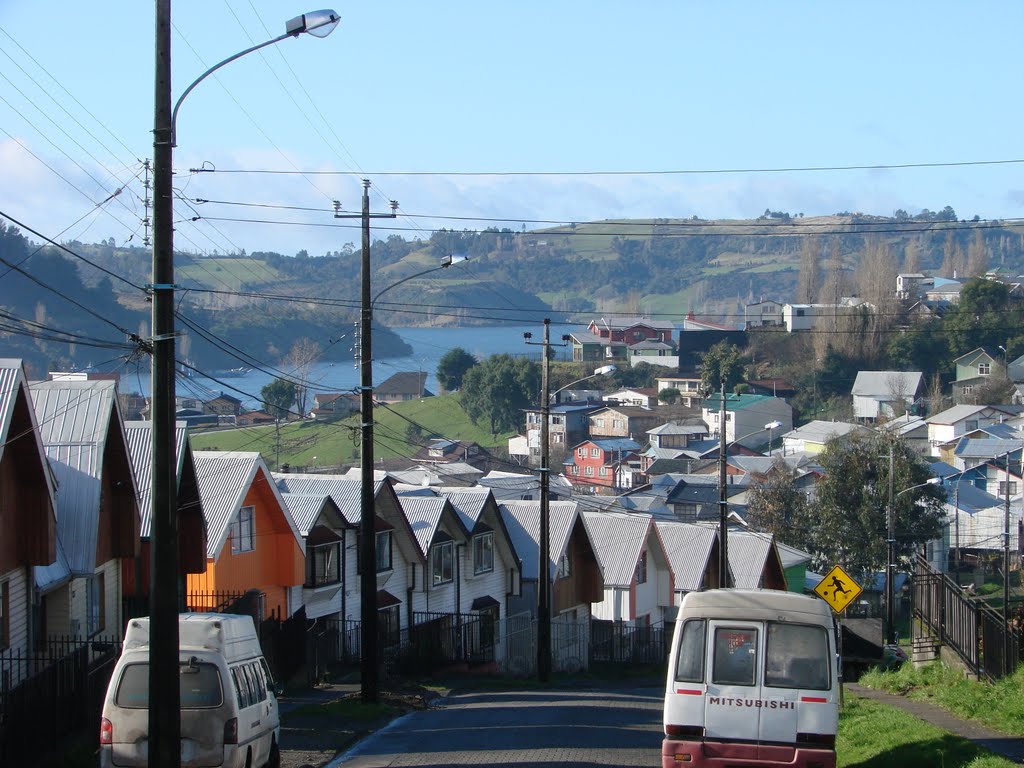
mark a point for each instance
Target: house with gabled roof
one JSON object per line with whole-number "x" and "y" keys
{"x": 517, "y": 486}
{"x": 323, "y": 529}
{"x": 693, "y": 553}
{"x": 812, "y": 437}
{"x": 746, "y": 417}
{"x": 641, "y": 397}
{"x": 253, "y": 543}
{"x": 623, "y": 421}
{"x": 575, "y": 573}
{"x": 223, "y": 405}
{"x": 439, "y": 532}
{"x": 954, "y": 422}
{"x": 974, "y": 369}
{"x": 599, "y": 464}
{"x": 334, "y": 405}
{"x": 399, "y": 562}
{"x": 28, "y": 515}
{"x": 885, "y": 393}
{"x": 638, "y": 579}
{"x": 754, "y": 561}
{"x": 135, "y": 575}
{"x": 98, "y": 519}
{"x": 402, "y": 386}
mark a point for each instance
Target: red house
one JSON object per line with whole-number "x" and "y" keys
{"x": 632, "y": 330}
{"x": 596, "y": 463}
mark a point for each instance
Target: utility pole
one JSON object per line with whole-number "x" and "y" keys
{"x": 1007, "y": 645}
{"x": 164, "y": 697}
{"x": 145, "y": 203}
{"x": 368, "y": 665}
{"x": 723, "y": 503}
{"x": 890, "y": 560}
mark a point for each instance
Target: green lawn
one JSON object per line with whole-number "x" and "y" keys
{"x": 313, "y": 443}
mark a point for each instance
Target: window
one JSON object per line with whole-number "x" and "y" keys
{"x": 581, "y": 452}
{"x": 603, "y": 472}
{"x": 800, "y": 313}
{"x": 1002, "y": 488}
{"x": 243, "y": 531}
{"x": 588, "y": 471}
{"x": 575, "y": 469}
{"x": 558, "y": 437}
{"x": 599, "y": 423}
{"x": 200, "y": 686}
{"x": 686, "y": 511}
{"x": 984, "y": 369}
{"x": 383, "y": 550}
{"x": 96, "y": 604}
{"x": 735, "y": 659}
{"x": 619, "y": 424}
{"x": 971, "y": 425}
{"x": 441, "y": 560}
{"x": 564, "y": 567}
{"x": 388, "y": 629}
{"x": 967, "y": 390}
{"x": 641, "y": 568}
{"x": 323, "y": 564}
{"x": 5, "y": 615}
{"x": 690, "y": 662}
{"x": 595, "y": 452}
{"x": 483, "y": 553}
{"x": 797, "y": 657}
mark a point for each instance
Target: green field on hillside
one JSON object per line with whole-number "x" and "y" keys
{"x": 400, "y": 429}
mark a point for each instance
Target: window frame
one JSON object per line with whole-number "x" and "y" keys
{"x": 483, "y": 553}
{"x": 442, "y": 559}
{"x": 388, "y": 563}
{"x": 96, "y": 604}
{"x": 243, "y": 531}
{"x": 321, "y": 577}
{"x": 693, "y": 655}
{"x": 641, "y": 568}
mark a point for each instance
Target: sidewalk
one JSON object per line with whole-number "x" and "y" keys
{"x": 1010, "y": 747}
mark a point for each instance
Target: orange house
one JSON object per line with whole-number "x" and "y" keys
{"x": 252, "y": 541}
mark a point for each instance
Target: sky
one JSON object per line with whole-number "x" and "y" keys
{"x": 507, "y": 114}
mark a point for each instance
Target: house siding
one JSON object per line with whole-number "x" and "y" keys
{"x": 495, "y": 583}
{"x": 18, "y": 608}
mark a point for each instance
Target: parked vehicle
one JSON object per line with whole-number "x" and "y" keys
{"x": 753, "y": 677}
{"x": 229, "y": 712}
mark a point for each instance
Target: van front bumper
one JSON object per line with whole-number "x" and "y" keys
{"x": 676, "y": 753}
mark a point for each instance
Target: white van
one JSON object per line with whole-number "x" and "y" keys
{"x": 229, "y": 714}
{"x": 753, "y": 677}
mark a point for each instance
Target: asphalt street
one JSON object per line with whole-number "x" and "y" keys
{"x": 603, "y": 727}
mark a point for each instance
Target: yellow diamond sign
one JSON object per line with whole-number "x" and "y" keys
{"x": 838, "y": 589}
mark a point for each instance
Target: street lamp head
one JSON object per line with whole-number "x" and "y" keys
{"x": 773, "y": 425}
{"x": 605, "y": 370}
{"x": 455, "y": 258}
{"x": 315, "y": 23}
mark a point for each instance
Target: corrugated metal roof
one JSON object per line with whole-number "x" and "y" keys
{"x": 522, "y": 520}
{"x": 73, "y": 419}
{"x": 468, "y": 503}
{"x": 748, "y": 554}
{"x": 424, "y": 515}
{"x": 305, "y": 509}
{"x": 618, "y": 540}
{"x": 688, "y": 547}
{"x": 986, "y": 448}
{"x": 887, "y": 384}
{"x": 224, "y": 478}
{"x": 140, "y": 448}
{"x": 346, "y": 492}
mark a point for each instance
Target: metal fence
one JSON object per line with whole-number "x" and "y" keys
{"x": 617, "y": 642}
{"x": 49, "y": 695}
{"x": 979, "y": 635}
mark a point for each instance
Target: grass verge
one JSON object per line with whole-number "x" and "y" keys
{"x": 997, "y": 705}
{"x": 873, "y": 735}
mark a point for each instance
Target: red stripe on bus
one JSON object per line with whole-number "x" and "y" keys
{"x": 814, "y": 699}
{"x": 689, "y": 692}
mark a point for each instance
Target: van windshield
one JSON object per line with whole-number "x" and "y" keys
{"x": 199, "y": 688}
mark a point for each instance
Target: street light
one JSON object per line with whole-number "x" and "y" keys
{"x": 367, "y": 529}
{"x": 723, "y": 503}
{"x": 165, "y": 701}
{"x": 544, "y": 543}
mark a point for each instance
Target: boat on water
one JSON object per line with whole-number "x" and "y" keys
{"x": 231, "y": 373}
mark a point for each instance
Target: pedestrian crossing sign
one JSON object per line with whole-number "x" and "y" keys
{"x": 838, "y": 589}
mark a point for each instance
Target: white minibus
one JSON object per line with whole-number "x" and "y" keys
{"x": 229, "y": 712}
{"x": 753, "y": 679}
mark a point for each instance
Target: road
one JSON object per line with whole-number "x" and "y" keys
{"x": 594, "y": 727}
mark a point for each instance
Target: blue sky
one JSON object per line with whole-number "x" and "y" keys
{"x": 556, "y": 89}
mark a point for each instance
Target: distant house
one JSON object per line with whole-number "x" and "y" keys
{"x": 405, "y": 385}
{"x": 960, "y": 419}
{"x": 912, "y": 429}
{"x": 597, "y": 464}
{"x": 254, "y": 419}
{"x": 631, "y": 330}
{"x": 694, "y": 555}
{"x": 771, "y": 388}
{"x": 334, "y": 405}
{"x": 622, "y": 421}
{"x": 28, "y": 518}
{"x": 973, "y": 370}
{"x": 513, "y": 486}
{"x": 812, "y": 437}
{"x": 746, "y": 417}
{"x": 762, "y": 314}
{"x": 885, "y": 393}
{"x": 688, "y": 386}
{"x": 944, "y": 289}
{"x": 911, "y": 285}
{"x": 641, "y": 397}
{"x": 443, "y": 451}
{"x": 754, "y": 561}
{"x": 223, "y": 405}
{"x": 567, "y": 425}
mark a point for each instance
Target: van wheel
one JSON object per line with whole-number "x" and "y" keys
{"x": 274, "y": 761}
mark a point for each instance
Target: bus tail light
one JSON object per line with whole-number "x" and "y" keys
{"x": 685, "y": 731}
{"x": 820, "y": 740}
{"x": 106, "y": 731}
{"x": 231, "y": 731}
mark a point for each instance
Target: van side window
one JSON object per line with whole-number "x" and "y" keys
{"x": 735, "y": 659}
{"x": 690, "y": 666}
{"x": 797, "y": 657}
{"x": 267, "y": 673}
{"x": 240, "y": 689}
{"x": 257, "y": 676}
{"x": 254, "y": 694}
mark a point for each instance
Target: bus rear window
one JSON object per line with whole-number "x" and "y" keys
{"x": 797, "y": 657}
{"x": 735, "y": 656}
{"x": 199, "y": 687}
{"x": 690, "y": 663}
